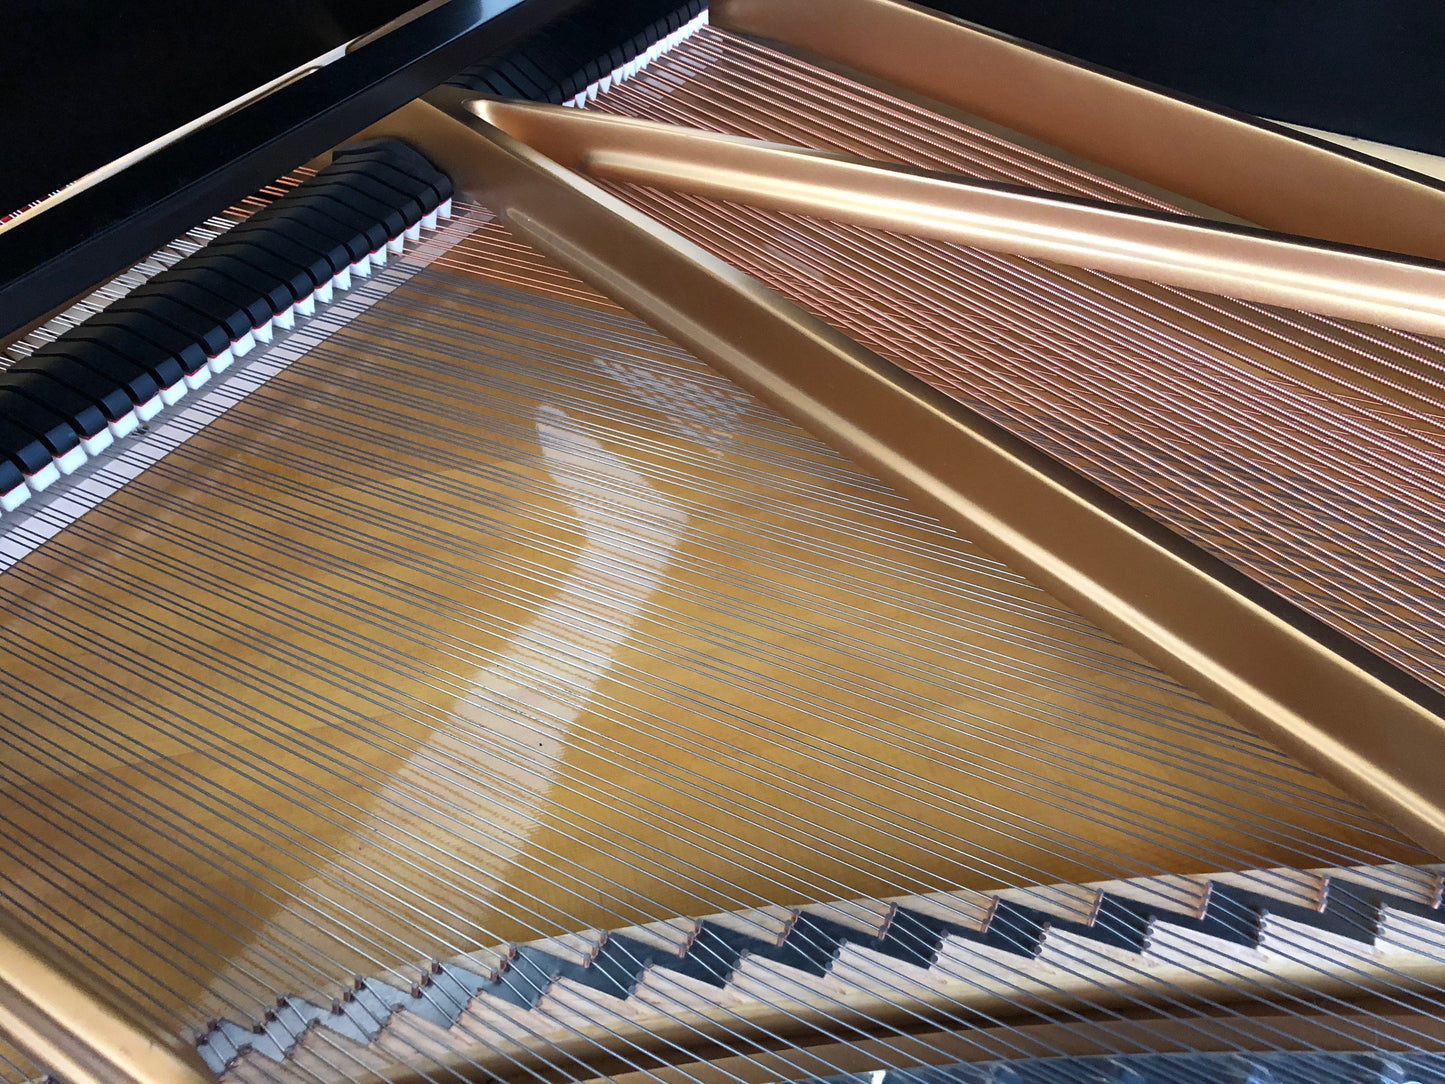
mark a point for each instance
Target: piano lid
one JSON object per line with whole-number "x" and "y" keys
{"x": 47, "y": 259}
{"x": 106, "y": 81}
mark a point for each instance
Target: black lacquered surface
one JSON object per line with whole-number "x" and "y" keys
{"x": 99, "y": 80}
{"x": 49, "y": 259}
{"x": 1360, "y": 67}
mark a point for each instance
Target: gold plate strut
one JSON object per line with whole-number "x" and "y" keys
{"x": 1265, "y": 174}
{"x": 1174, "y": 250}
{"x": 1366, "y": 726}
{"x": 77, "y": 1036}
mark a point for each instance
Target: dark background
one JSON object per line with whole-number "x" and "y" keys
{"x": 84, "y": 81}
{"x": 1371, "y": 68}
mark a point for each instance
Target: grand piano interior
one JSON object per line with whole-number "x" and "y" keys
{"x": 765, "y": 541}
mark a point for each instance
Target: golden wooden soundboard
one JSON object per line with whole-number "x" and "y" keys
{"x": 491, "y": 617}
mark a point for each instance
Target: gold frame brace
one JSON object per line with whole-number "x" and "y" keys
{"x": 1259, "y": 171}
{"x": 1176, "y": 250}
{"x": 69, "y": 1031}
{"x": 1362, "y": 722}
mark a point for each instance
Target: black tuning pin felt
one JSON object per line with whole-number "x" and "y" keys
{"x": 103, "y": 379}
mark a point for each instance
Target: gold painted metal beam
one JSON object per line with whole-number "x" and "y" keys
{"x": 69, "y": 1031}
{"x": 1175, "y": 250}
{"x": 1360, "y": 721}
{"x": 1259, "y": 171}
